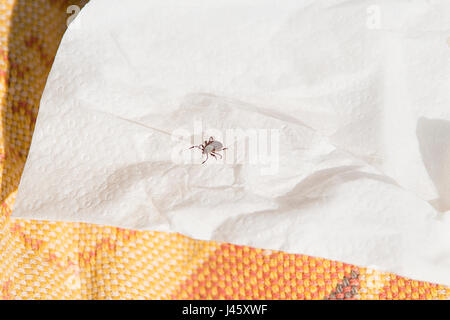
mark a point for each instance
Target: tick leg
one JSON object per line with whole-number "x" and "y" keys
{"x": 205, "y": 159}
{"x": 216, "y": 154}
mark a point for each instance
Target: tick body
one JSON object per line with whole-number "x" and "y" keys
{"x": 210, "y": 147}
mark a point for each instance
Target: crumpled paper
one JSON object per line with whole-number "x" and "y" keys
{"x": 335, "y": 115}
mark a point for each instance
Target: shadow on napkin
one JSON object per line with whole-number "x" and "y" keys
{"x": 434, "y": 141}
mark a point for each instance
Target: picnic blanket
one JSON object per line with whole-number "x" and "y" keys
{"x": 55, "y": 260}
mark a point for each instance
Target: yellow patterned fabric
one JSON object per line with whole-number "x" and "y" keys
{"x": 54, "y": 260}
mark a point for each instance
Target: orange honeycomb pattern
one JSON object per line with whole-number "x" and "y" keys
{"x": 54, "y": 260}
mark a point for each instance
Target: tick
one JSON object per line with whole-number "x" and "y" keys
{"x": 210, "y": 147}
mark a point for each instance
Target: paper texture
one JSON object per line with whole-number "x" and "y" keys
{"x": 335, "y": 114}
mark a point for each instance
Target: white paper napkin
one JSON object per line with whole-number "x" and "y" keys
{"x": 336, "y": 116}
